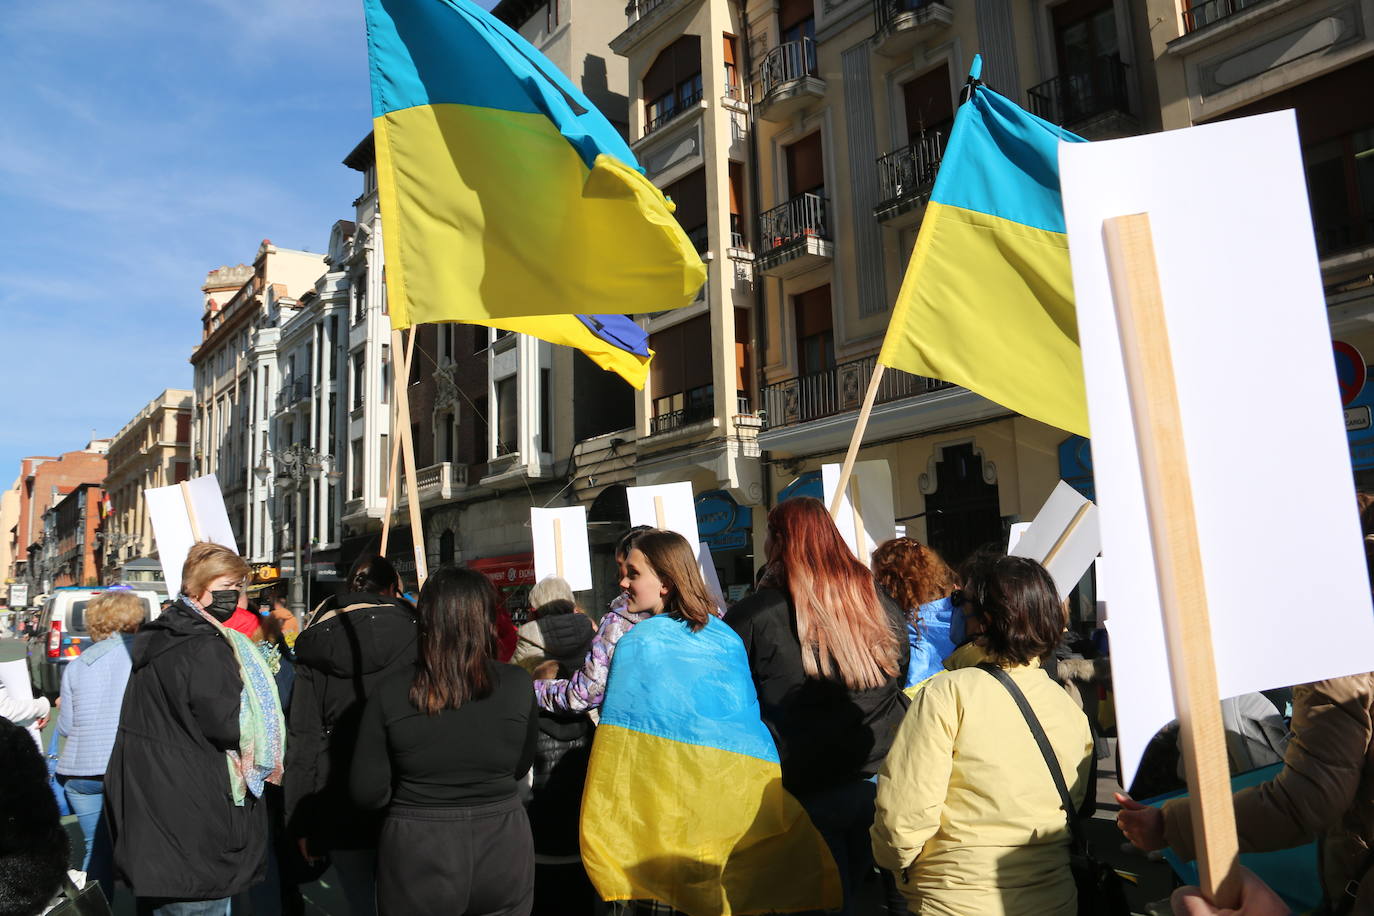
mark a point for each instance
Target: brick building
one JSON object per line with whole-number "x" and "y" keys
{"x": 43, "y": 481}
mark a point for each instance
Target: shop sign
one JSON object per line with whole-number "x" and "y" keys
{"x": 512, "y": 575}
{"x": 1358, "y": 431}
{"x": 1076, "y": 465}
{"x": 808, "y": 484}
{"x": 722, "y": 523}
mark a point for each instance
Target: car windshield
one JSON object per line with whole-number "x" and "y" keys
{"x": 76, "y": 617}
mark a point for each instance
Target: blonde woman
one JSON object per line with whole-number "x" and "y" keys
{"x": 829, "y": 658}
{"x": 92, "y": 692}
{"x": 201, "y": 731}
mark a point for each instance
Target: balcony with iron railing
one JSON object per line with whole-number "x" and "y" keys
{"x": 788, "y": 80}
{"x": 672, "y": 420}
{"x": 1099, "y": 93}
{"x": 292, "y": 392}
{"x": 900, "y": 25}
{"x": 795, "y": 237}
{"x": 1202, "y": 14}
{"x": 834, "y": 391}
{"x": 905, "y": 176}
{"x": 643, "y": 17}
{"x": 682, "y": 107}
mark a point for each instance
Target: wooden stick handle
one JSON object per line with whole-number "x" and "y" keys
{"x": 558, "y": 547}
{"x": 659, "y": 517}
{"x": 191, "y": 512}
{"x": 417, "y": 532}
{"x": 1178, "y": 561}
{"x": 1066, "y": 534}
{"x": 860, "y": 427}
{"x": 400, "y": 378}
{"x": 860, "y": 536}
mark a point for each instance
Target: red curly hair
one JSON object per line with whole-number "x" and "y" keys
{"x": 912, "y": 573}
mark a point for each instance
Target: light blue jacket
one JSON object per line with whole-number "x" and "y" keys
{"x": 941, "y": 631}
{"x": 92, "y": 694}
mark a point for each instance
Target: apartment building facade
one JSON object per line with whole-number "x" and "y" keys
{"x": 153, "y": 449}
{"x": 1220, "y": 59}
{"x": 43, "y": 482}
{"x": 236, "y": 379}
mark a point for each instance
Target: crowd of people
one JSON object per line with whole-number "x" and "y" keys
{"x": 436, "y": 758}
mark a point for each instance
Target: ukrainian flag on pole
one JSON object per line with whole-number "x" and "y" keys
{"x": 684, "y": 801}
{"x": 987, "y": 301}
{"x": 505, "y": 195}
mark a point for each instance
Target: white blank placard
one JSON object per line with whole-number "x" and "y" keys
{"x": 1270, "y": 467}
{"x": 1065, "y": 509}
{"x": 1014, "y": 535}
{"x": 571, "y": 530}
{"x": 171, "y": 522}
{"x": 872, "y": 480}
{"x": 679, "y": 508}
{"x": 15, "y": 676}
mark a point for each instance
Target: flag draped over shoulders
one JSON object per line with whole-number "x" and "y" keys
{"x": 505, "y": 196}
{"x": 684, "y": 801}
{"x": 987, "y": 301}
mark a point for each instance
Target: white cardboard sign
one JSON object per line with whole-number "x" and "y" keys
{"x": 15, "y": 676}
{"x": 1018, "y": 529}
{"x": 871, "y": 481}
{"x": 170, "y": 510}
{"x": 560, "y": 545}
{"x": 1065, "y": 537}
{"x": 670, "y": 506}
{"x": 1241, "y": 288}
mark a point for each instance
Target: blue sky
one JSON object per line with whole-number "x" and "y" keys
{"x": 145, "y": 143}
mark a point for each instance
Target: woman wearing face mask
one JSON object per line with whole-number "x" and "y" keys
{"x": 200, "y": 733}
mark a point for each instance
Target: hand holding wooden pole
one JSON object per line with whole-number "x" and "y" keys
{"x": 1178, "y": 560}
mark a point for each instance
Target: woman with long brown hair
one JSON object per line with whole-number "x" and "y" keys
{"x": 918, "y": 579}
{"x": 441, "y": 747}
{"x": 829, "y": 658}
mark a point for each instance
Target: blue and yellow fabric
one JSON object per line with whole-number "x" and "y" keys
{"x": 987, "y": 301}
{"x": 504, "y": 193}
{"x": 684, "y": 801}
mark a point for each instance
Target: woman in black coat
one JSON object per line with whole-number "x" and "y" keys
{"x": 181, "y": 841}
{"x": 353, "y": 642}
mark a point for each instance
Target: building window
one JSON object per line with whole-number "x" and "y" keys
{"x": 681, "y": 380}
{"x": 815, "y": 331}
{"x": 358, "y": 378}
{"x": 672, "y": 84}
{"x": 360, "y": 297}
{"x": 355, "y": 470}
{"x": 507, "y": 416}
{"x": 731, "y": 70}
{"x": 689, "y": 197}
{"x": 928, "y": 103}
{"x": 551, "y": 16}
{"x": 805, "y": 166}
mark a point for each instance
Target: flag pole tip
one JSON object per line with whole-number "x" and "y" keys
{"x": 975, "y": 71}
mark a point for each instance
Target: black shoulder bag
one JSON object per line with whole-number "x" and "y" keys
{"x": 1100, "y": 891}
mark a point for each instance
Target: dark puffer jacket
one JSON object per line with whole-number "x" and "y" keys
{"x": 563, "y": 746}
{"x": 353, "y": 642}
{"x": 177, "y": 832}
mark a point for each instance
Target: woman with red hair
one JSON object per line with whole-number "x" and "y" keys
{"x": 829, "y": 657}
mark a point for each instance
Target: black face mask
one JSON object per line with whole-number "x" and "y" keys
{"x": 223, "y": 604}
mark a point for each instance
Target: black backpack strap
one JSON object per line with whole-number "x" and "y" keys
{"x": 1046, "y": 751}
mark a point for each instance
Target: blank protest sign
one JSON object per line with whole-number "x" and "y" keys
{"x": 171, "y": 520}
{"x": 565, "y": 541}
{"x": 1241, "y": 287}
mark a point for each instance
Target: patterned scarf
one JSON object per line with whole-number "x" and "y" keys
{"x": 262, "y": 729}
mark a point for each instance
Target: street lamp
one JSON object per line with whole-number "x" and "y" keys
{"x": 297, "y": 463}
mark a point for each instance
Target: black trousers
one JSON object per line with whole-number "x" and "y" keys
{"x": 473, "y": 861}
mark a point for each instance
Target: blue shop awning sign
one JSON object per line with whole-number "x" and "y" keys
{"x": 722, "y": 523}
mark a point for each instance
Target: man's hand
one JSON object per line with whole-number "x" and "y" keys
{"x": 1142, "y": 825}
{"x": 1256, "y": 899}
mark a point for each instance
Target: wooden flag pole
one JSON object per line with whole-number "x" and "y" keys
{"x": 417, "y": 533}
{"x": 400, "y": 370}
{"x": 860, "y": 536}
{"x": 1178, "y": 560}
{"x": 860, "y": 427}
{"x": 558, "y": 547}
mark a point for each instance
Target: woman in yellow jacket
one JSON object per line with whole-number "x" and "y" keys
{"x": 968, "y": 817}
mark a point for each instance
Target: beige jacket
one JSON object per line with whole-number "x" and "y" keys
{"x": 967, "y": 814}
{"x": 1325, "y": 789}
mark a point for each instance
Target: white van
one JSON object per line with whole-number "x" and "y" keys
{"x": 61, "y": 633}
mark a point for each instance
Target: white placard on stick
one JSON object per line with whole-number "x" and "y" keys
{"x": 183, "y": 514}
{"x": 560, "y": 545}
{"x": 1065, "y": 537}
{"x": 15, "y": 676}
{"x": 1014, "y": 535}
{"x": 871, "y": 486}
{"x": 1238, "y": 275}
{"x": 670, "y": 506}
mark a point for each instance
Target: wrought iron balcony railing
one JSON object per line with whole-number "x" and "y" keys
{"x": 884, "y": 11}
{"x": 824, "y": 394}
{"x": 1072, "y": 97}
{"x": 1210, "y": 11}
{"x": 801, "y": 217}
{"x": 909, "y": 171}
{"x": 789, "y": 61}
{"x": 672, "y": 114}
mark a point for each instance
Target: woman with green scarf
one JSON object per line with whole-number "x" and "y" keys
{"x": 200, "y": 733}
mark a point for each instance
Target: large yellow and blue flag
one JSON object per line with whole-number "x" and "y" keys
{"x": 505, "y": 195}
{"x": 987, "y": 301}
{"x": 684, "y": 801}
